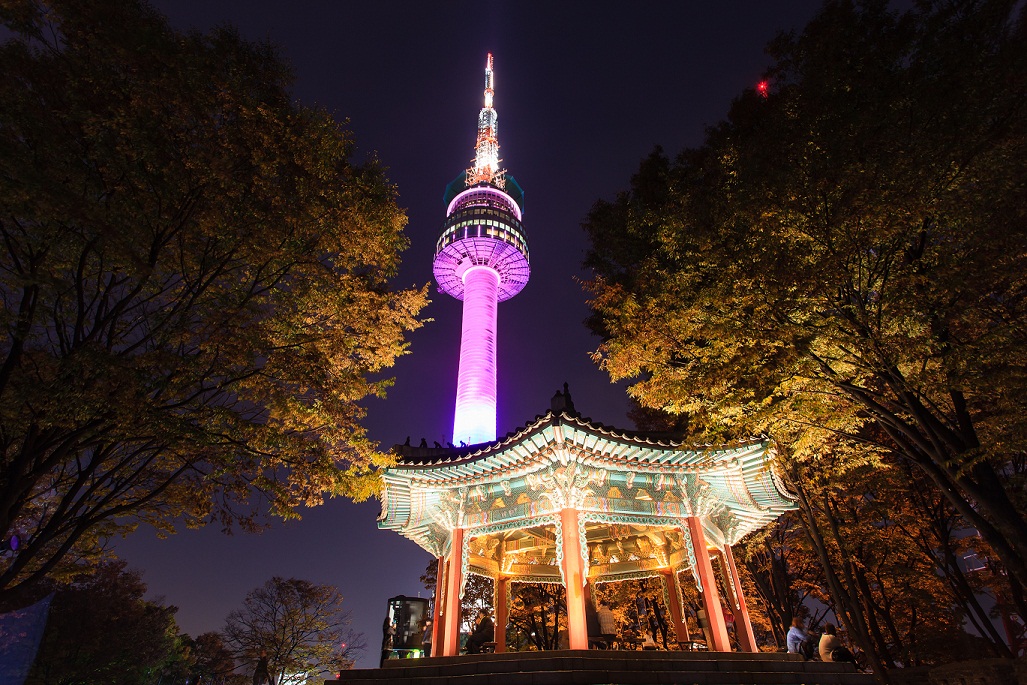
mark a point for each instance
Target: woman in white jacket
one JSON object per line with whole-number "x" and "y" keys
{"x": 828, "y": 642}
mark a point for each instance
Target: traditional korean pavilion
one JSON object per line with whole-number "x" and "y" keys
{"x": 565, "y": 500}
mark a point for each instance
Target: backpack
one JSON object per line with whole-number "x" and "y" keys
{"x": 842, "y": 654}
{"x": 808, "y": 648}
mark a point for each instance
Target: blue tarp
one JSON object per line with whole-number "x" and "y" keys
{"x": 20, "y": 634}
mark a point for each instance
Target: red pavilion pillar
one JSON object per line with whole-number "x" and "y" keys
{"x": 440, "y": 600}
{"x": 743, "y": 626}
{"x": 710, "y": 596}
{"x": 674, "y": 599}
{"x": 502, "y": 612}
{"x": 574, "y": 579}
{"x": 451, "y": 635}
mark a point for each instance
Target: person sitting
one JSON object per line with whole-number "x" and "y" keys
{"x": 831, "y": 648}
{"x": 796, "y": 636}
{"x": 648, "y": 643}
{"x": 607, "y": 623}
{"x": 484, "y": 632}
{"x": 828, "y": 642}
{"x": 592, "y": 627}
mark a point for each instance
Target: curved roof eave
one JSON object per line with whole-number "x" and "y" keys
{"x": 452, "y": 457}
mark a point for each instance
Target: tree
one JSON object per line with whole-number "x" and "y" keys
{"x": 783, "y": 575}
{"x": 890, "y": 595}
{"x": 213, "y": 662}
{"x": 538, "y": 612}
{"x": 299, "y": 626}
{"x": 193, "y": 280}
{"x": 479, "y": 593}
{"x": 946, "y": 539}
{"x": 845, "y": 258}
{"x": 102, "y": 631}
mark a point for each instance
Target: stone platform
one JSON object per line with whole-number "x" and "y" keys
{"x": 598, "y": 667}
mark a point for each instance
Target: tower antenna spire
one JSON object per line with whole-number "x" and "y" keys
{"x": 486, "y": 148}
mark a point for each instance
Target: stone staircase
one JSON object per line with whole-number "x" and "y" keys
{"x": 598, "y": 667}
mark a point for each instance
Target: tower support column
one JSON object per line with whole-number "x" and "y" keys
{"x": 451, "y": 636}
{"x": 743, "y": 626}
{"x": 502, "y": 587}
{"x": 670, "y": 581}
{"x": 574, "y": 579}
{"x": 440, "y": 600}
{"x": 475, "y": 418}
{"x": 710, "y": 595}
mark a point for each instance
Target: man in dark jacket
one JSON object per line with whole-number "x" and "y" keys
{"x": 484, "y": 631}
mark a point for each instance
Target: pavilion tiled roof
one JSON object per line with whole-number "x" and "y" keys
{"x": 739, "y": 475}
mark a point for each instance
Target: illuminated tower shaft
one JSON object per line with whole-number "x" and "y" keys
{"x": 481, "y": 258}
{"x": 475, "y": 416}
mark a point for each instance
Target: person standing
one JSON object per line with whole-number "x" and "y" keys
{"x": 642, "y": 614}
{"x": 661, "y": 621}
{"x": 426, "y": 637}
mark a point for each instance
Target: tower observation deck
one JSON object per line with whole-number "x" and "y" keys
{"x": 481, "y": 258}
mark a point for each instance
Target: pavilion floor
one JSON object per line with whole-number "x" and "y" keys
{"x": 600, "y": 667}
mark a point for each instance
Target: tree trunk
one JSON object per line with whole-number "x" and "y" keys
{"x": 875, "y": 614}
{"x": 763, "y": 570}
{"x": 850, "y": 611}
{"x": 967, "y": 599}
{"x": 859, "y": 602}
{"x": 976, "y": 492}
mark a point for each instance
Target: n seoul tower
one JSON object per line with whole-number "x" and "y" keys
{"x": 481, "y": 257}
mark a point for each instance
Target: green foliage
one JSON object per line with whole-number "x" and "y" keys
{"x": 842, "y": 263}
{"x": 299, "y": 626}
{"x": 193, "y": 280}
{"x": 102, "y": 632}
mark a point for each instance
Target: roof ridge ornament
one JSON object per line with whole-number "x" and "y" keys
{"x": 562, "y": 404}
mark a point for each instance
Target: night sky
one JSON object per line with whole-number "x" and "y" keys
{"x": 584, "y": 91}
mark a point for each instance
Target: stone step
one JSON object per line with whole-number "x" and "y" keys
{"x": 601, "y": 656}
{"x": 630, "y": 678}
{"x": 604, "y": 655}
{"x": 570, "y": 664}
{"x": 582, "y": 667}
